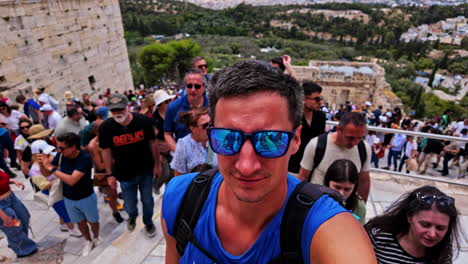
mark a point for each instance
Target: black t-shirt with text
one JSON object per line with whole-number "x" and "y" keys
{"x": 130, "y": 145}
{"x": 83, "y": 163}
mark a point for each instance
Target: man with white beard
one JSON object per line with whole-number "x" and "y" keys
{"x": 131, "y": 156}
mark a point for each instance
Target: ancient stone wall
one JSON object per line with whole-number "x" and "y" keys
{"x": 75, "y": 45}
{"x": 354, "y": 86}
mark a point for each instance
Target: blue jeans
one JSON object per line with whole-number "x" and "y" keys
{"x": 375, "y": 160}
{"x": 18, "y": 239}
{"x": 393, "y": 154}
{"x": 402, "y": 161}
{"x": 144, "y": 183}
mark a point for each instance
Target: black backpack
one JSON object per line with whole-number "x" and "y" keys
{"x": 297, "y": 208}
{"x": 321, "y": 147}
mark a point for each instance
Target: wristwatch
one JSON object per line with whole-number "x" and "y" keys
{"x": 52, "y": 170}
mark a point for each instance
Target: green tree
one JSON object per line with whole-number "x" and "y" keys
{"x": 458, "y": 68}
{"x": 464, "y": 43}
{"x": 424, "y": 63}
{"x": 169, "y": 61}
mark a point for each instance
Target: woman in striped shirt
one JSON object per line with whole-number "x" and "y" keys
{"x": 421, "y": 227}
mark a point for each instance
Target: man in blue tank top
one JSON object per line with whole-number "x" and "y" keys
{"x": 256, "y": 112}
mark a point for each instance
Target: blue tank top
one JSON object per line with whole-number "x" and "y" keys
{"x": 267, "y": 245}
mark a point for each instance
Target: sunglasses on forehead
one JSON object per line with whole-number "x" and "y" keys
{"x": 442, "y": 201}
{"x": 190, "y": 86}
{"x": 266, "y": 143}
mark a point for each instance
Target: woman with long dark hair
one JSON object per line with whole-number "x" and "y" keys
{"x": 343, "y": 177}
{"x": 420, "y": 227}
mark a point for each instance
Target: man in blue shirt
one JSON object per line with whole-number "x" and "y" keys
{"x": 31, "y": 108}
{"x": 396, "y": 146}
{"x": 195, "y": 88}
{"x": 256, "y": 112}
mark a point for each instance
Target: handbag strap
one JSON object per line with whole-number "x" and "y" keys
{"x": 60, "y": 161}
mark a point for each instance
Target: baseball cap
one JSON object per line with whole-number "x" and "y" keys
{"x": 117, "y": 101}
{"x": 103, "y": 112}
{"x": 368, "y": 103}
{"x": 161, "y": 96}
{"x": 46, "y": 107}
{"x": 40, "y": 146}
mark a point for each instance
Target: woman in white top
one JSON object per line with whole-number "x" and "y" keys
{"x": 12, "y": 118}
{"x": 193, "y": 151}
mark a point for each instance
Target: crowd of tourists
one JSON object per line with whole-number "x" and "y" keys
{"x": 236, "y": 151}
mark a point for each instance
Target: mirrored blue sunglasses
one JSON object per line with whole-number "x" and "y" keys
{"x": 267, "y": 143}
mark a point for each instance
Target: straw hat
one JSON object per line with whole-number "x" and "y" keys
{"x": 68, "y": 95}
{"x": 39, "y": 131}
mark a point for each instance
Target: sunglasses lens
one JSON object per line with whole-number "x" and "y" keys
{"x": 426, "y": 198}
{"x": 225, "y": 141}
{"x": 445, "y": 201}
{"x": 271, "y": 144}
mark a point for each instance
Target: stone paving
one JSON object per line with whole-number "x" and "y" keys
{"x": 120, "y": 246}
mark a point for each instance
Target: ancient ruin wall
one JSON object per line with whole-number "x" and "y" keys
{"x": 357, "y": 88}
{"x": 75, "y": 45}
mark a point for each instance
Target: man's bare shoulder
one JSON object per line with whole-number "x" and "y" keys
{"x": 341, "y": 239}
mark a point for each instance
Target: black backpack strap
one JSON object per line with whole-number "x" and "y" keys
{"x": 301, "y": 200}
{"x": 190, "y": 210}
{"x": 362, "y": 152}
{"x": 319, "y": 152}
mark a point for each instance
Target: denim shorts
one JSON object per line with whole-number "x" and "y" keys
{"x": 84, "y": 209}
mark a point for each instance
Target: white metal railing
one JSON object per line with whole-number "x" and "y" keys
{"x": 415, "y": 134}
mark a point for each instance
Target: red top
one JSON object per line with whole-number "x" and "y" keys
{"x": 4, "y": 183}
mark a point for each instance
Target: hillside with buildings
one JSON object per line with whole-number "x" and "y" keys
{"x": 450, "y": 31}
{"x": 221, "y": 4}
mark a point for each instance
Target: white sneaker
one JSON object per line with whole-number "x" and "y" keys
{"x": 96, "y": 242}
{"x": 63, "y": 228}
{"x": 74, "y": 232}
{"x": 88, "y": 246}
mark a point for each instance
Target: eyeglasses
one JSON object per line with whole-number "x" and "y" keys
{"x": 267, "y": 143}
{"x": 190, "y": 86}
{"x": 202, "y": 66}
{"x": 317, "y": 99}
{"x": 62, "y": 148}
{"x": 429, "y": 199}
{"x": 24, "y": 127}
{"x": 205, "y": 126}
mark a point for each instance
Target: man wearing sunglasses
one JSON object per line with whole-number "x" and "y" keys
{"x": 200, "y": 64}
{"x": 313, "y": 122}
{"x": 256, "y": 113}
{"x": 194, "y": 98}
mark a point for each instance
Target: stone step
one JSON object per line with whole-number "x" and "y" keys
{"x": 122, "y": 246}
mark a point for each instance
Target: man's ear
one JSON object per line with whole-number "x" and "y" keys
{"x": 296, "y": 141}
